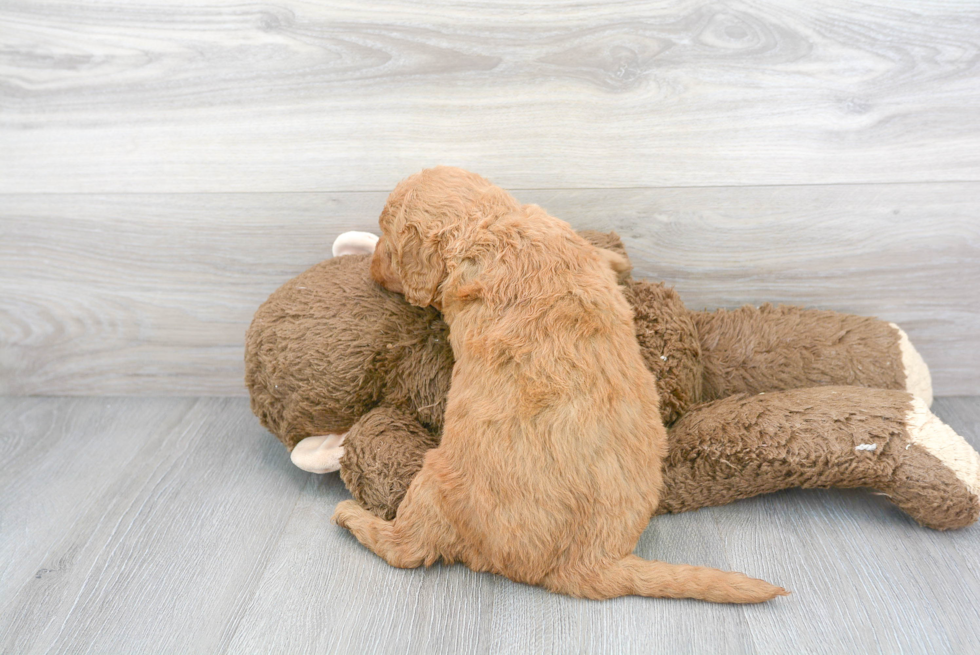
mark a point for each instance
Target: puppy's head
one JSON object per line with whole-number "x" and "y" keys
{"x": 427, "y": 220}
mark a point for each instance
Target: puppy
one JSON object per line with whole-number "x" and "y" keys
{"x": 550, "y": 463}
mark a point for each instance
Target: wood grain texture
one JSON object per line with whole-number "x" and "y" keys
{"x": 307, "y": 96}
{"x": 151, "y": 294}
{"x": 156, "y": 556}
{"x": 178, "y": 525}
{"x": 59, "y": 460}
{"x": 341, "y": 598}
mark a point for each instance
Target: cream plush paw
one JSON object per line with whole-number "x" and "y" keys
{"x": 928, "y": 432}
{"x": 320, "y": 454}
{"x": 918, "y": 382}
{"x": 938, "y": 481}
{"x": 354, "y": 243}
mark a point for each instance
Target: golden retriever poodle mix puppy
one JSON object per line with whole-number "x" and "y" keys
{"x": 550, "y": 463}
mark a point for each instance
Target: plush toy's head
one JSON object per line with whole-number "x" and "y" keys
{"x": 330, "y": 345}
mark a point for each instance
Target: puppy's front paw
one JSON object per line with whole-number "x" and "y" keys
{"x": 345, "y": 511}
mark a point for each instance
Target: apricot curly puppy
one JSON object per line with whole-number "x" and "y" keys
{"x": 549, "y": 467}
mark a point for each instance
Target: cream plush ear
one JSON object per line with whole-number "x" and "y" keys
{"x": 354, "y": 243}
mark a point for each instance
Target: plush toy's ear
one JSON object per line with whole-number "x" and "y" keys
{"x": 419, "y": 265}
{"x": 354, "y": 243}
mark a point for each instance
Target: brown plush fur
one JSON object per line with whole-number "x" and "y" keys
{"x": 670, "y": 345}
{"x": 549, "y": 464}
{"x": 746, "y": 445}
{"x": 768, "y": 348}
{"x": 382, "y": 475}
{"x": 311, "y": 369}
{"x": 331, "y": 344}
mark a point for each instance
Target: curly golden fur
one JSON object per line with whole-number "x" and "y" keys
{"x": 549, "y": 466}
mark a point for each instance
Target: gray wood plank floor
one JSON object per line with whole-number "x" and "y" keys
{"x": 179, "y": 525}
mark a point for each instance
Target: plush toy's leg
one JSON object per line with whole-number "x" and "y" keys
{"x": 319, "y": 454}
{"x": 823, "y": 437}
{"x": 383, "y": 451}
{"x": 755, "y": 349}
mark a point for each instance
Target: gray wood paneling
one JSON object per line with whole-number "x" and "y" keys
{"x": 151, "y": 294}
{"x": 178, "y": 525}
{"x": 311, "y": 96}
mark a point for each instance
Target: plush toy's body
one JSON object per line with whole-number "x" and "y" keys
{"x": 756, "y": 399}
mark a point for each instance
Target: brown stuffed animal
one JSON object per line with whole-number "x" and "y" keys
{"x": 350, "y": 376}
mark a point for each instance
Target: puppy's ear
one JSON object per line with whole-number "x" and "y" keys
{"x": 620, "y": 265}
{"x": 610, "y": 245}
{"x": 607, "y": 240}
{"x": 419, "y": 266}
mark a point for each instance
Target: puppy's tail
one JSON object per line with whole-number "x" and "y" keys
{"x": 632, "y": 576}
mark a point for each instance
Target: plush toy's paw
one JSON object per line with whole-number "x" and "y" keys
{"x": 319, "y": 454}
{"x": 344, "y": 512}
{"x": 929, "y": 432}
{"x": 918, "y": 381}
{"x": 943, "y": 492}
{"x": 354, "y": 243}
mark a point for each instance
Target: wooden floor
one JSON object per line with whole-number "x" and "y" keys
{"x": 179, "y": 525}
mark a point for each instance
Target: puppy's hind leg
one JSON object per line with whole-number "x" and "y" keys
{"x": 377, "y": 534}
{"x": 634, "y": 576}
{"x": 418, "y": 535}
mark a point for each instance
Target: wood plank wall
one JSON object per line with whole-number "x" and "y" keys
{"x": 165, "y": 166}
